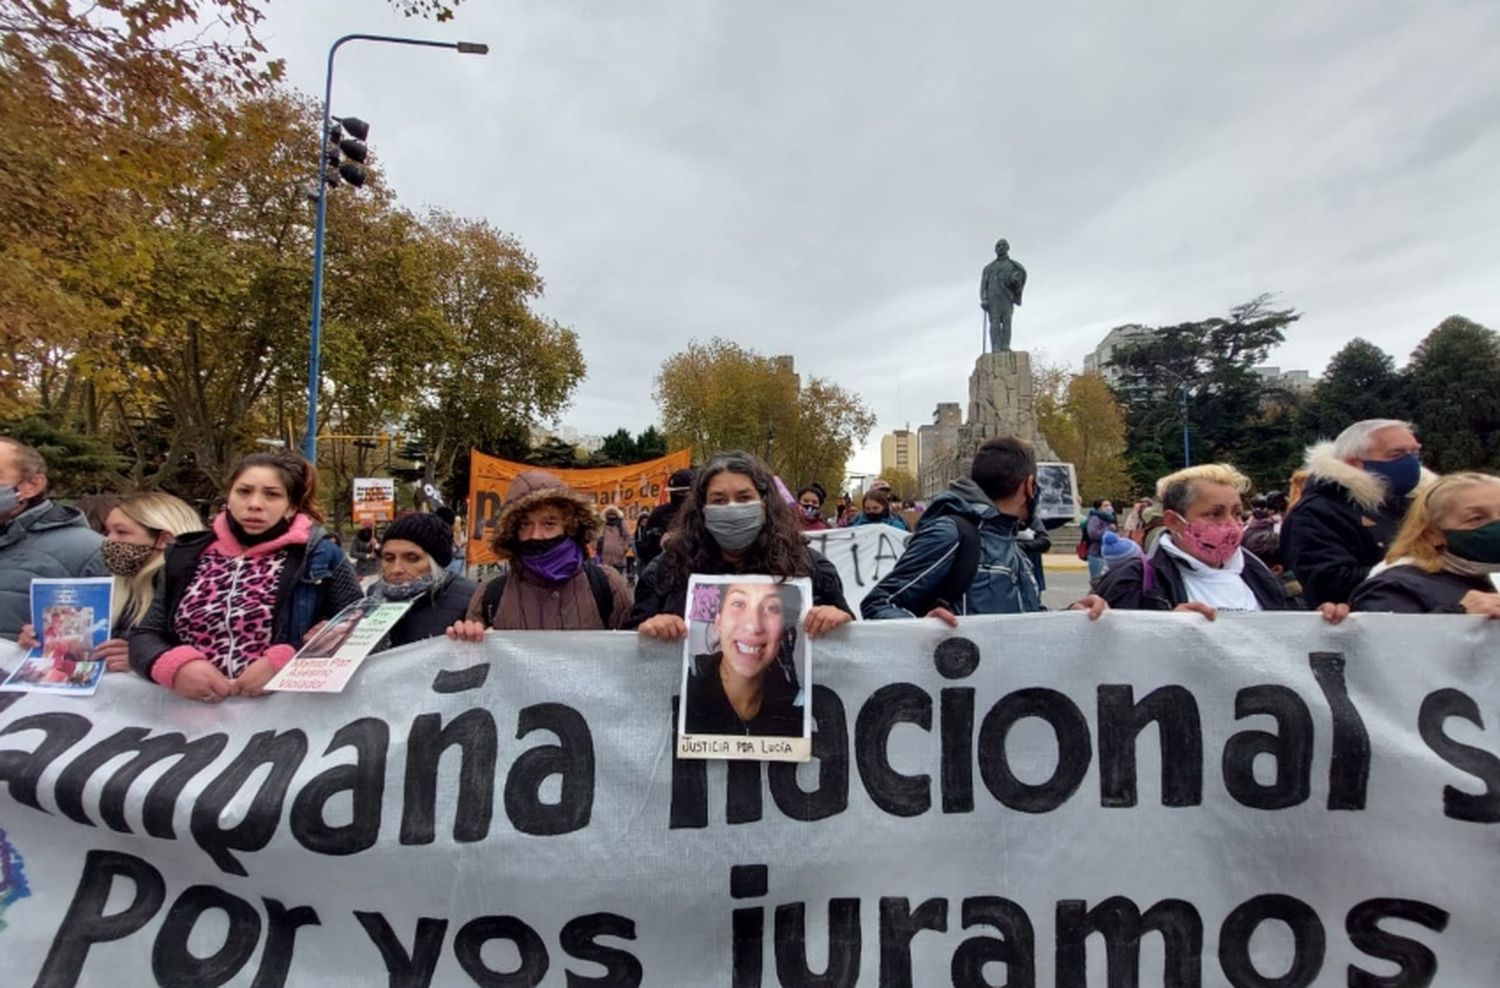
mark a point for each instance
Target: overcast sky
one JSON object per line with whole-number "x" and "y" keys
{"x": 828, "y": 179}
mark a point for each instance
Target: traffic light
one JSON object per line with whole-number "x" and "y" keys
{"x": 338, "y": 147}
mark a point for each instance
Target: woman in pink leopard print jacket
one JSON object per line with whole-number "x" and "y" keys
{"x": 236, "y": 601}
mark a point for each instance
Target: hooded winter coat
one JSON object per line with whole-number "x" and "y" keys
{"x": 1003, "y": 582}
{"x": 1342, "y": 526}
{"x": 45, "y": 541}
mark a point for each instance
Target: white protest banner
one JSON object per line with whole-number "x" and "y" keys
{"x": 1148, "y": 799}
{"x": 862, "y": 555}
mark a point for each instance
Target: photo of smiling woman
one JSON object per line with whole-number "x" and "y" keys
{"x": 746, "y": 667}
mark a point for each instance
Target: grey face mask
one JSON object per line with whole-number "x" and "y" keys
{"x": 734, "y": 526}
{"x": 10, "y": 499}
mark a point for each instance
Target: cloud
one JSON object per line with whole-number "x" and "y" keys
{"x": 827, "y": 179}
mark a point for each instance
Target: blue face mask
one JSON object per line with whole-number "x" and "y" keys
{"x": 1401, "y": 475}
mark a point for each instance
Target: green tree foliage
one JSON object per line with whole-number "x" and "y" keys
{"x": 651, "y": 444}
{"x": 618, "y": 448}
{"x": 1455, "y": 389}
{"x": 1361, "y": 382}
{"x": 1211, "y": 362}
{"x": 720, "y": 396}
{"x": 556, "y": 453}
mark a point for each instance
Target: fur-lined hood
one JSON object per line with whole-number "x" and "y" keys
{"x": 1364, "y": 488}
{"x": 533, "y": 489}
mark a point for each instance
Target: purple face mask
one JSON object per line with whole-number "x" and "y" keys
{"x": 560, "y": 562}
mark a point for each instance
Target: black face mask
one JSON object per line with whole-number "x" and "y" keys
{"x": 247, "y": 540}
{"x": 875, "y": 516}
{"x": 536, "y": 547}
{"x": 1031, "y": 503}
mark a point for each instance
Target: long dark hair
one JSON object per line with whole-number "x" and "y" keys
{"x": 299, "y": 477}
{"x": 779, "y": 549}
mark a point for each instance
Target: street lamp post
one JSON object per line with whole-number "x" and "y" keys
{"x": 310, "y": 440}
{"x": 1187, "y": 434}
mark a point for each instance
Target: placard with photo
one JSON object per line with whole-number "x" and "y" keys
{"x": 746, "y": 670}
{"x": 1057, "y": 491}
{"x": 72, "y": 619}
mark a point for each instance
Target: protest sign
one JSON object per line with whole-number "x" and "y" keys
{"x": 862, "y": 555}
{"x": 327, "y": 662}
{"x": 374, "y": 499}
{"x": 1045, "y": 800}
{"x": 71, "y": 618}
{"x": 634, "y": 489}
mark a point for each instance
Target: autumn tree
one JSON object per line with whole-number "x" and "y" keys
{"x": 904, "y": 483}
{"x": 1087, "y": 429}
{"x": 720, "y": 396}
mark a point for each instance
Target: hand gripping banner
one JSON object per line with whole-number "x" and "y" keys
{"x": 1042, "y": 800}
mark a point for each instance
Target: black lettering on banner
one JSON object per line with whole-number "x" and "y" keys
{"x": 468, "y": 947}
{"x": 1074, "y": 750}
{"x": 956, "y": 768}
{"x": 461, "y": 680}
{"x": 1122, "y": 719}
{"x": 1418, "y": 964}
{"x": 406, "y": 970}
{"x": 486, "y": 514}
{"x": 1308, "y": 942}
{"x": 161, "y": 800}
{"x": 174, "y": 964}
{"x": 364, "y": 780}
{"x": 830, "y": 758}
{"x": 1437, "y": 707}
{"x": 281, "y": 940}
{"x": 689, "y": 809}
{"x": 843, "y": 946}
{"x": 742, "y": 802}
{"x": 1015, "y": 948}
{"x": 1349, "y": 772}
{"x": 473, "y": 732}
{"x": 23, "y": 769}
{"x": 885, "y": 552}
{"x": 859, "y": 580}
{"x": 897, "y": 703}
{"x": 284, "y": 753}
{"x": 86, "y": 923}
{"x": 748, "y": 925}
{"x": 1122, "y": 925}
{"x": 1291, "y": 746}
{"x": 572, "y": 758}
{"x": 580, "y": 940}
{"x": 899, "y": 924}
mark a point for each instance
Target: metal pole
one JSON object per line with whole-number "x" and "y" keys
{"x": 1187, "y": 441}
{"x": 315, "y": 330}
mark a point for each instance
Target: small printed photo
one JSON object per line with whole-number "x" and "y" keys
{"x": 326, "y": 643}
{"x": 1057, "y": 491}
{"x": 71, "y": 618}
{"x": 746, "y": 678}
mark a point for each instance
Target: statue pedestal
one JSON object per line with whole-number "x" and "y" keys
{"x": 1002, "y": 402}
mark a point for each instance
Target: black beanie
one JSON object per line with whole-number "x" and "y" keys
{"x": 427, "y": 531}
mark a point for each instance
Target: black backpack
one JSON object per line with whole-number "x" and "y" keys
{"x": 604, "y": 594}
{"x": 965, "y": 564}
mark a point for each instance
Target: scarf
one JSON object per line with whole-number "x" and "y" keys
{"x": 1224, "y": 589}
{"x": 431, "y": 583}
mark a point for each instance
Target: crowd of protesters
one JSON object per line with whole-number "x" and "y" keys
{"x": 213, "y": 610}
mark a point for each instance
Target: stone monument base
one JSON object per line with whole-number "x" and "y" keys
{"x": 1002, "y": 402}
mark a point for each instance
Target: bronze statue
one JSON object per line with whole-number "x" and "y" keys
{"x": 999, "y": 291}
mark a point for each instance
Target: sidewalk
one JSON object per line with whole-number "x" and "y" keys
{"x": 1064, "y": 561}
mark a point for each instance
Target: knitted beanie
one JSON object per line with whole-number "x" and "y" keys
{"x": 1116, "y": 549}
{"x": 428, "y": 531}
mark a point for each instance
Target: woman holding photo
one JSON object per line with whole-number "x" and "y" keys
{"x": 137, "y": 531}
{"x": 733, "y": 521}
{"x": 237, "y": 601}
{"x": 414, "y": 560}
{"x": 747, "y": 684}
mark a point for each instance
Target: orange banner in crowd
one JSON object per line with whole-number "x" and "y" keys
{"x": 635, "y": 489}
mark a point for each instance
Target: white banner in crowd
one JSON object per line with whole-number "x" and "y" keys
{"x": 1039, "y": 800}
{"x": 863, "y": 555}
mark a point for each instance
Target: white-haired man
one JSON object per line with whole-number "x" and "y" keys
{"x": 1351, "y": 507}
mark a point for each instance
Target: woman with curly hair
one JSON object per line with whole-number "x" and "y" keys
{"x": 733, "y": 521}
{"x": 544, "y": 531}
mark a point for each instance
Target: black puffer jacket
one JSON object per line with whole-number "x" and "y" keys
{"x": 1407, "y": 589}
{"x": 1343, "y": 525}
{"x": 431, "y": 614}
{"x": 1127, "y": 587}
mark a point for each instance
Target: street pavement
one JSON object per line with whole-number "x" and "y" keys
{"x": 1067, "y": 580}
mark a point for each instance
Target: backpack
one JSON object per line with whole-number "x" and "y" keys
{"x": 965, "y": 564}
{"x": 604, "y": 595}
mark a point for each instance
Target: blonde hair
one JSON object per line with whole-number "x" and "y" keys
{"x": 156, "y": 512}
{"x": 1177, "y": 490}
{"x": 1296, "y": 485}
{"x": 1414, "y": 543}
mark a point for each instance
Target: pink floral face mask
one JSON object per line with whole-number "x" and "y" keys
{"x": 1213, "y": 542}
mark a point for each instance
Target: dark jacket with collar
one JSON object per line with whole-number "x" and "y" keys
{"x": 316, "y": 583}
{"x": 46, "y": 541}
{"x": 1003, "y": 582}
{"x": 1127, "y": 587}
{"x": 653, "y": 596}
{"x": 1406, "y": 589}
{"x": 1342, "y": 526}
